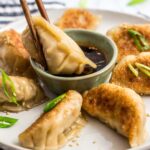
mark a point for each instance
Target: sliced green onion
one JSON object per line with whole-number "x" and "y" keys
{"x": 135, "y": 2}
{"x": 133, "y": 70}
{"x": 53, "y": 103}
{"x": 146, "y": 72}
{"x": 133, "y": 32}
{"x": 143, "y": 41}
{"x": 6, "y": 122}
{"x": 142, "y": 66}
{"x": 135, "y": 35}
{"x": 148, "y": 115}
{"x": 5, "y": 79}
{"x": 83, "y": 3}
{"x": 139, "y": 40}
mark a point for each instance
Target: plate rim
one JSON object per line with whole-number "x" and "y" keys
{"x": 21, "y": 19}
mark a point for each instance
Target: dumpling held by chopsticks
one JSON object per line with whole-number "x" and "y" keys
{"x": 62, "y": 54}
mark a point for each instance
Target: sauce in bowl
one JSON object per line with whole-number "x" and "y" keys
{"x": 96, "y": 56}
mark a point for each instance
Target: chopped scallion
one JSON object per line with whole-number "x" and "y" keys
{"x": 142, "y": 66}
{"x": 6, "y": 122}
{"x": 6, "y": 80}
{"x": 53, "y": 103}
{"x": 133, "y": 70}
{"x": 139, "y": 40}
{"x": 135, "y": 2}
{"x": 148, "y": 115}
{"x": 146, "y": 72}
{"x": 83, "y": 3}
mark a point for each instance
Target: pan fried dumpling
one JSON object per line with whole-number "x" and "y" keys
{"x": 78, "y": 18}
{"x": 28, "y": 94}
{"x": 62, "y": 54}
{"x": 14, "y": 58}
{"x": 126, "y": 45}
{"x": 123, "y": 76}
{"x": 54, "y": 128}
{"x": 120, "y": 108}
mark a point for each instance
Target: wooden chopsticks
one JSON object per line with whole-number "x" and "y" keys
{"x": 42, "y": 9}
{"x": 32, "y": 28}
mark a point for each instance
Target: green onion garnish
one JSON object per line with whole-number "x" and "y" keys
{"x": 139, "y": 40}
{"x": 6, "y": 80}
{"x": 148, "y": 115}
{"x": 133, "y": 70}
{"x": 135, "y": 2}
{"x": 53, "y": 103}
{"x": 83, "y": 3}
{"x": 6, "y": 122}
{"x": 143, "y": 68}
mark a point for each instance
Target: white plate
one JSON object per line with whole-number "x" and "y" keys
{"x": 95, "y": 135}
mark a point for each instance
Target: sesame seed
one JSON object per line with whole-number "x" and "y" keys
{"x": 70, "y": 145}
{"x": 77, "y": 144}
{"x": 73, "y": 141}
{"x": 148, "y": 115}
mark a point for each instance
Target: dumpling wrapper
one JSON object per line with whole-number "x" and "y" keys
{"x": 79, "y": 19}
{"x": 14, "y": 58}
{"x": 28, "y": 94}
{"x": 62, "y": 54}
{"x": 54, "y": 128}
{"x": 125, "y": 42}
{"x": 123, "y": 76}
{"x": 120, "y": 108}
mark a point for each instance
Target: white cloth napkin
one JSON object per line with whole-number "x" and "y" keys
{"x": 11, "y": 10}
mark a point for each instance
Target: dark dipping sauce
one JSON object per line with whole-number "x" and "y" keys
{"x": 93, "y": 54}
{"x": 96, "y": 56}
